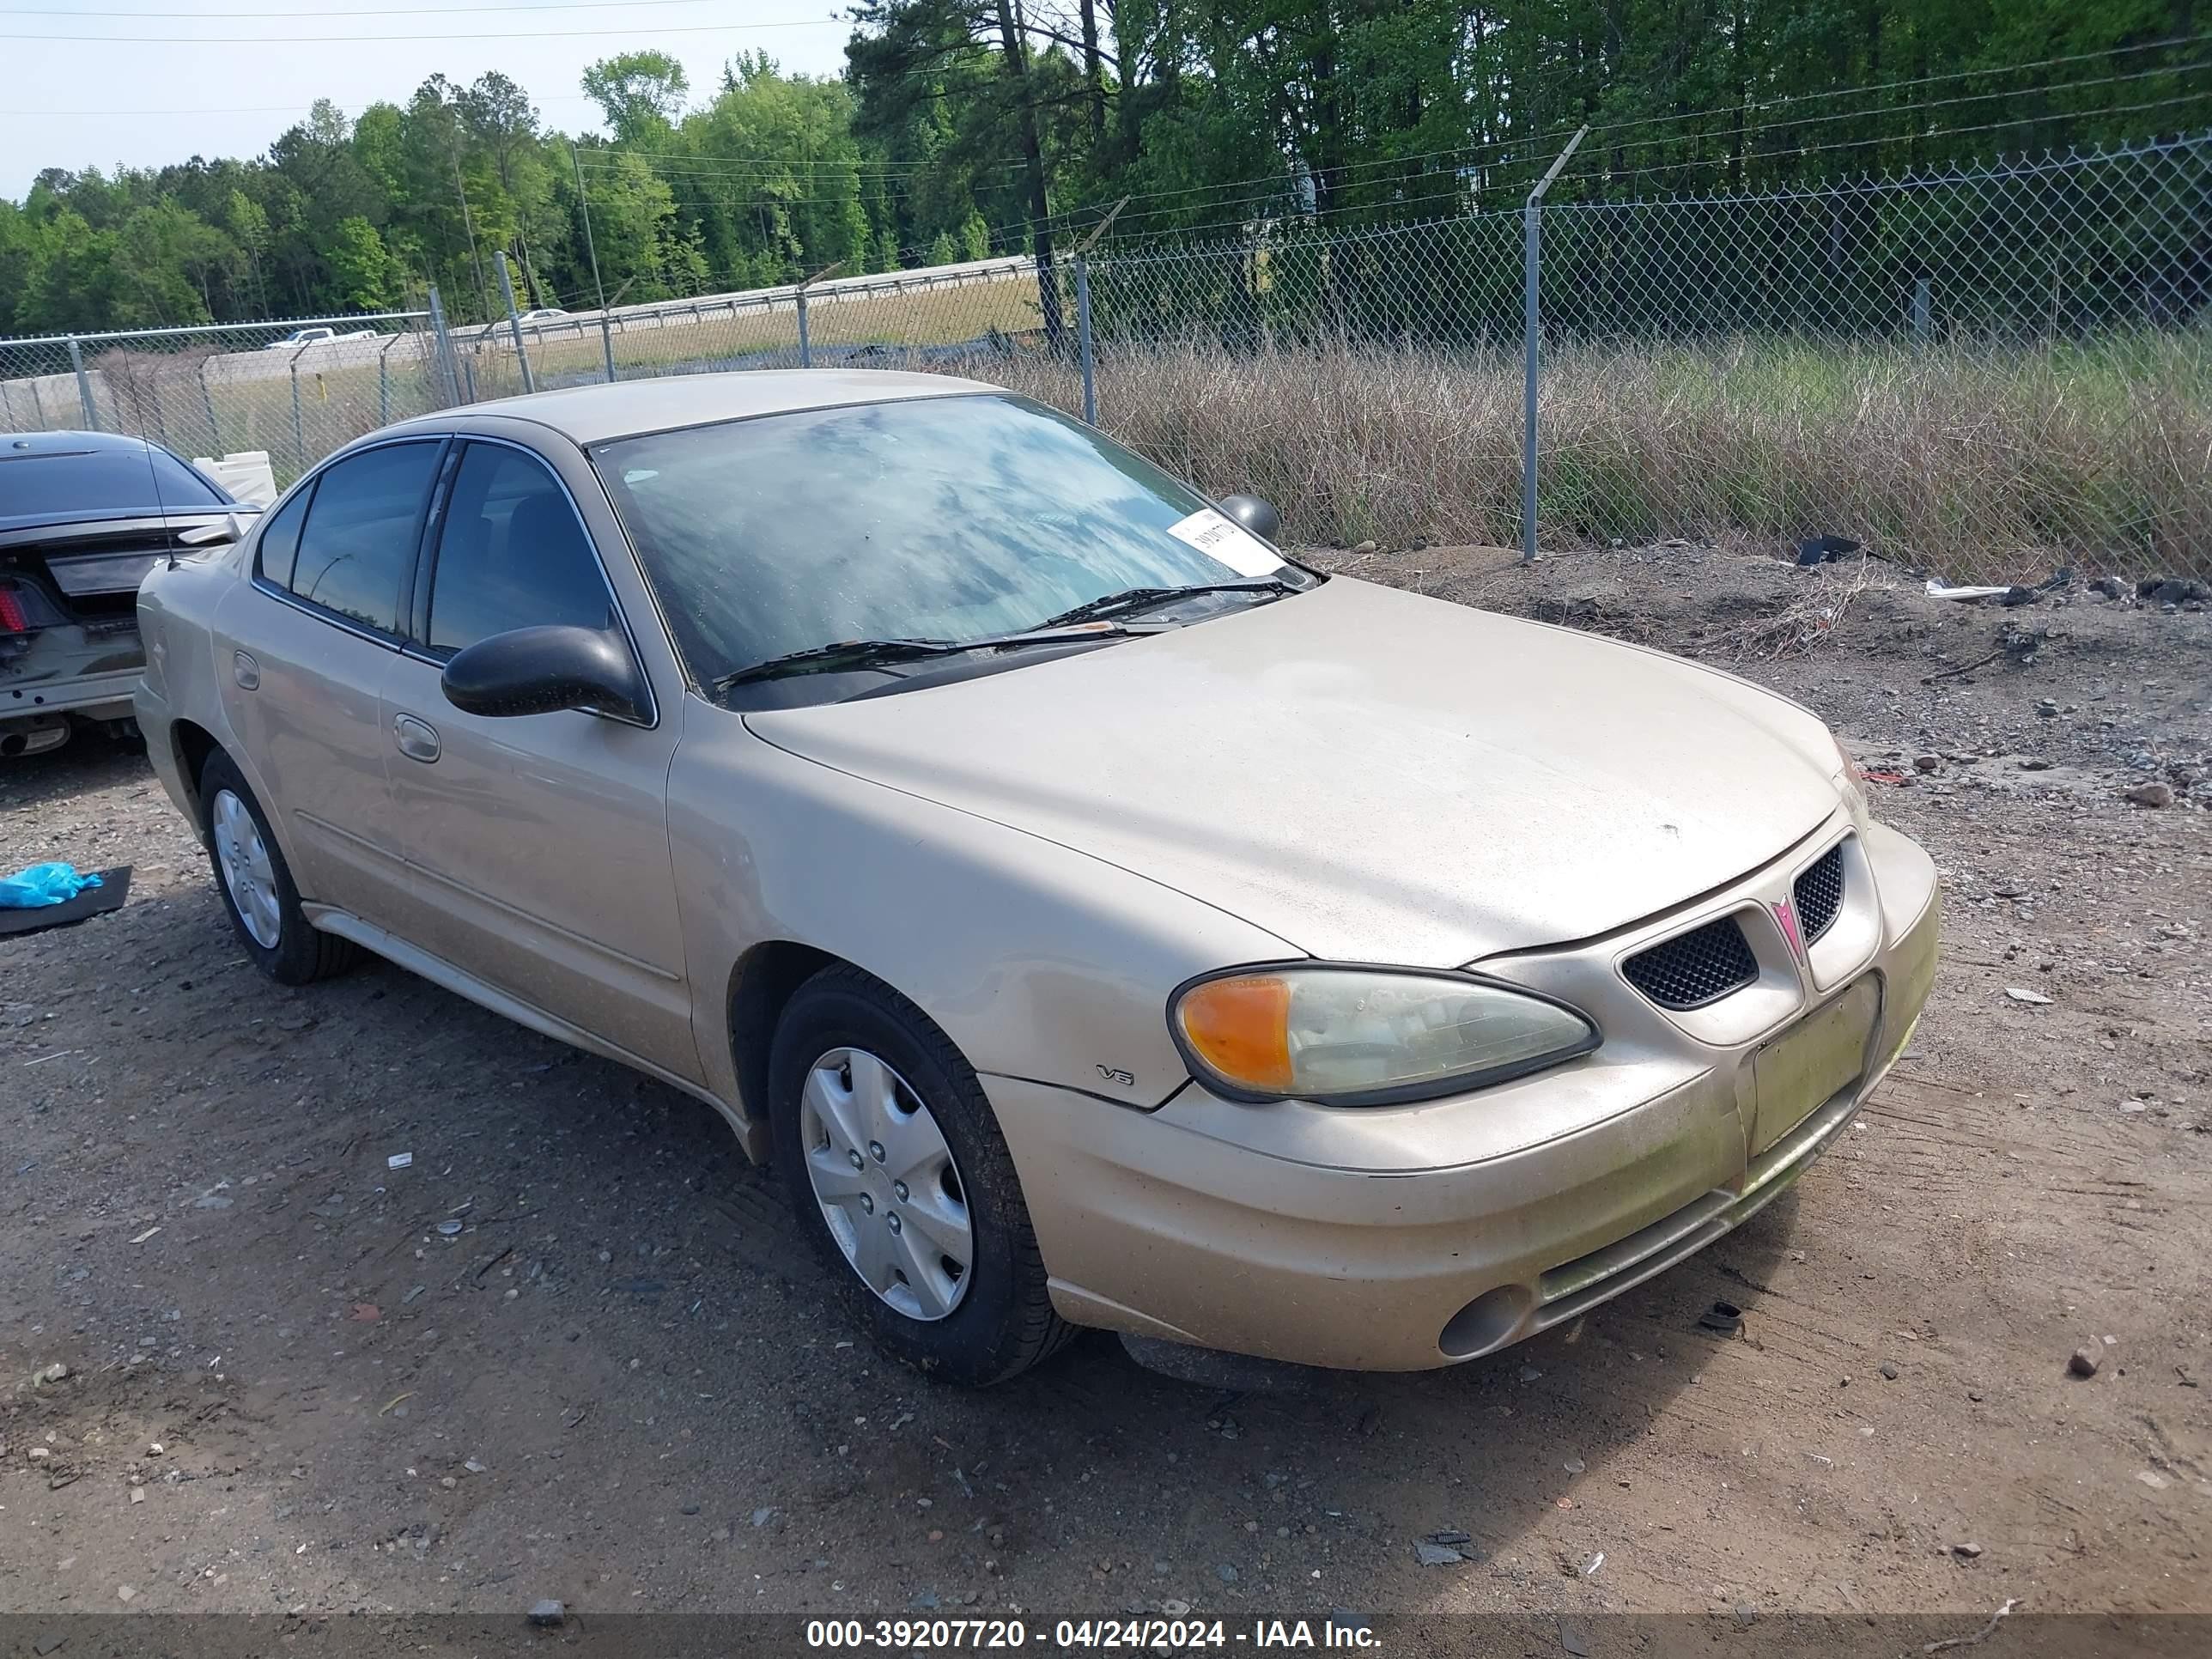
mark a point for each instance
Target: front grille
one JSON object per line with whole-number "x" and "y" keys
{"x": 1820, "y": 893}
{"x": 1696, "y": 967}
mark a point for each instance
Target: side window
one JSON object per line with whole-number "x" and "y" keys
{"x": 280, "y": 538}
{"x": 359, "y": 542}
{"x": 511, "y": 554}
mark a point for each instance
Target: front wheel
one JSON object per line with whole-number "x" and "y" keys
{"x": 256, "y": 883}
{"x": 895, "y": 1165}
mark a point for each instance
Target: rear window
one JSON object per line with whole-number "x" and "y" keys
{"x": 280, "y": 540}
{"x": 124, "y": 482}
{"x": 358, "y": 546}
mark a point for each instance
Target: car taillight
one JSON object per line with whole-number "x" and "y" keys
{"x": 12, "y": 619}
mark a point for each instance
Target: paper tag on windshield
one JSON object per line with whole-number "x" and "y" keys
{"x": 1221, "y": 536}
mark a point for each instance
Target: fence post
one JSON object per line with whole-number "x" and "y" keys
{"x": 207, "y": 397}
{"x": 513, "y": 318}
{"x": 1532, "y": 237}
{"x": 83, "y": 385}
{"x": 1082, "y": 339}
{"x": 384, "y": 383}
{"x": 806, "y": 347}
{"x": 1083, "y": 310}
{"x": 448, "y": 378}
{"x": 298, "y": 432}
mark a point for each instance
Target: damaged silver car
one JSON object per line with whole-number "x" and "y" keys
{"x": 83, "y": 517}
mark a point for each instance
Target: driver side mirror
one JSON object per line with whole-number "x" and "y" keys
{"x": 1256, "y": 515}
{"x": 537, "y": 670}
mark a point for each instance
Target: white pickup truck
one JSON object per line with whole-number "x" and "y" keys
{"x": 319, "y": 336}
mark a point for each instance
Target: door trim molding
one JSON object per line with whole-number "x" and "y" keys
{"x": 477, "y": 895}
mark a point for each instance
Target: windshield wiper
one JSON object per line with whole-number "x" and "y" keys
{"x": 1137, "y": 599}
{"x": 840, "y": 653}
{"x": 876, "y": 653}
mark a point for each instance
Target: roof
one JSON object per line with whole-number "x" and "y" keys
{"x": 71, "y": 442}
{"x": 591, "y": 414}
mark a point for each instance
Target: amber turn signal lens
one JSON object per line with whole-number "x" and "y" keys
{"x": 1241, "y": 1027}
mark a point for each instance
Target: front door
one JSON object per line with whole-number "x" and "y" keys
{"x": 538, "y": 842}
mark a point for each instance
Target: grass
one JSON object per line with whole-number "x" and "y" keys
{"x": 760, "y": 337}
{"x": 1979, "y": 462}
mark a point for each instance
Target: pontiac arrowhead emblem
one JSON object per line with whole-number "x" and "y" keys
{"x": 1786, "y": 917}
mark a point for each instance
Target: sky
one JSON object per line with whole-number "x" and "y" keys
{"x": 142, "y": 83}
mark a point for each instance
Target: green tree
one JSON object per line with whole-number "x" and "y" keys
{"x": 975, "y": 237}
{"x": 248, "y": 225}
{"x": 641, "y": 94}
{"x": 69, "y": 283}
{"x": 364, "y": 277}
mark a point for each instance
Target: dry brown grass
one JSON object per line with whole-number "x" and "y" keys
{"x": 1979, "y": 464}
{"x": 1812, "y": 615}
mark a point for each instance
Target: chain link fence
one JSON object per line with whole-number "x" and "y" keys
{"x": 1987, "y": 372}
{"x": 295, "y": 390}
{"x": 952, "y": 318}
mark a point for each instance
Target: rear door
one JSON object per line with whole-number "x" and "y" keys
{"x": 302, "y": 655}
{"x": 540, "y": 841}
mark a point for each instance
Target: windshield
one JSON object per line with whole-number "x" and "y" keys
{"x": 935, "y": 519}
{"x": 115, "y": 480}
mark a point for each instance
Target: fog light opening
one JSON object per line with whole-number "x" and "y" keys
{"x": 1486, "y": 1322}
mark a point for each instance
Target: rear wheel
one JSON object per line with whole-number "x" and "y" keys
{"x": 895, "y": 1166}
{"x": 256, "y": 883}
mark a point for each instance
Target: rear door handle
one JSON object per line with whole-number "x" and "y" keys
{"x": 418, "y": 739}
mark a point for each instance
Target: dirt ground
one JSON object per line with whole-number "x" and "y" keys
{"x": 620, "y": 1380}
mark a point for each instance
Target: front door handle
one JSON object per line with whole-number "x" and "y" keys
{"x": 418, "y": 739}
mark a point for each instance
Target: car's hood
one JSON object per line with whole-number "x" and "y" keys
{"x": 1368, "y": 774}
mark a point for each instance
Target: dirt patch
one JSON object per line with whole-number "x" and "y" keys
{"x": 573, "y": 1348}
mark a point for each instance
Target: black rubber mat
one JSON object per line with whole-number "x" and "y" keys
{"x": 114, "y": 888}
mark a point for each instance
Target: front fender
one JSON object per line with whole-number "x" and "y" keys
{"x": 1039, "y": 962}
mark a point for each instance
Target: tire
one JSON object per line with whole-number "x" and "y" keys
{"x": 1000, "y": 1320}
{"x": 298, "y": 954}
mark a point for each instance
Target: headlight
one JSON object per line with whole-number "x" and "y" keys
{"x": 1851, "y": 782}
{"x": 1366, "y": 1036}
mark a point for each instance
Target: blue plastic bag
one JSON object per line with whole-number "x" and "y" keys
{"x": 43, "y": 885}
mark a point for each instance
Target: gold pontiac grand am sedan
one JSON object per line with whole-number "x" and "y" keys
{"x": 1099, "y": 918}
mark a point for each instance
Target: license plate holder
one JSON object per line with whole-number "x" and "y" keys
{"x": 1807, "y": 1064}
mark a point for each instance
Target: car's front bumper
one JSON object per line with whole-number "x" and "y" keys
{"x": 1407, "y": 1238}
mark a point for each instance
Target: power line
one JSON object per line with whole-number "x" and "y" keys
{"x": 269, "y": 109}
{"x": 1911, "y": 138}
{"x": 681, "y": 165}
{"x": 1763, "y": 156}
{"x": 1897, "y": 86}
{"x": 1528, "y": 147}
{"x": 374, "y": 11}
{"x": 1273, "y": 185}
{"x": 358, "y": 40}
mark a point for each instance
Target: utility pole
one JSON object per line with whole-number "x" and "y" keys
{"x": 484, "y": 293}
{"x": 584, "y": 206}
{"x": 513, "y": 320}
